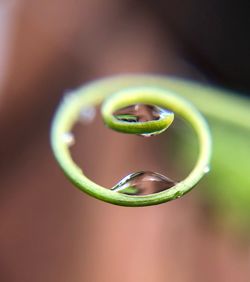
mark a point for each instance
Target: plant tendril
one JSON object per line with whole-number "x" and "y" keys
{"x": 119, "y": 92}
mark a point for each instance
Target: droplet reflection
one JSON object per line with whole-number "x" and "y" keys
{"x": 143, "y": 183}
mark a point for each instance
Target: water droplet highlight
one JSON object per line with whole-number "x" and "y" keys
{"x": 88, "y": 114}
{"x": 68, "y": 138}
{"x": 143, "y": 183}
{"x": 206, "y": 169}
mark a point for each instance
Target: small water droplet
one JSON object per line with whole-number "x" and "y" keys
{"x": 178, "y": 194}
{"x": 143, "y": 183}
{"x": 87, "y": 114}
{"x": 68, "y": 138}
{"x": 206, "y": 169}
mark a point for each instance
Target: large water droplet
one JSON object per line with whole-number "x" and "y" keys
{"x": 142, "y": 113}
{"x": 143, "y": 183}
{"x": 138, "y": 113}
{"x": 68, "y": 138}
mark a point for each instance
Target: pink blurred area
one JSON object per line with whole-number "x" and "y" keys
{"x": 50, "y": 231}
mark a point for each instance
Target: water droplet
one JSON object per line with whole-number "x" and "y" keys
{"x": 87, "y": 114}
{"x": 143, "y": 183}
{"x": 178, "y": 194}
{"x": 138, "y": 113}
{"x": 142, "y": 113}
{"x": 206, "y": 169}
{"x": 68, "y": 138}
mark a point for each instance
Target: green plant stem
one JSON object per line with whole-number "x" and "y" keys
{"x": 155, "y": 90}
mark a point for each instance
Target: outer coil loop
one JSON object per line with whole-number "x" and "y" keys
{"x": 123, "y": 91}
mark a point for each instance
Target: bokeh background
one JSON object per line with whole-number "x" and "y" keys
{"x": 49, "y": 231}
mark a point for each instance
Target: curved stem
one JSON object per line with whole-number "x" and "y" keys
{"x": 143, "y": 89}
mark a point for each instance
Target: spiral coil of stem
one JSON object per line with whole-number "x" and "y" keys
{"x": 119, "y": 92}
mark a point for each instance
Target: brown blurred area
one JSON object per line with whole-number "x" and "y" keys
{"x": 49, "y": 230}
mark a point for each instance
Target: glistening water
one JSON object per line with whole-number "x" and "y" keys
{"x": 143, "y": 183}
{"x": 141, "y": 113}
{"x": 68, "y": 138}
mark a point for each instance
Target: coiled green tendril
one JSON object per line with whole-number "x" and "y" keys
{"x": 120, "y": 92}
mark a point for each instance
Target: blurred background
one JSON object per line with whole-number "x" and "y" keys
{"x": 49, "y": 230}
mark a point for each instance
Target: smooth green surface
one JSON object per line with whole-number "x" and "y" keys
{"x": 155, "y": 90}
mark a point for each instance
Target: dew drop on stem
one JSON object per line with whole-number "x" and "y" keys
{"x": 68, "y": 138}
{"x": 143, "y": 183}
{"x": 206, "y": 169}
{"x": 141, "y": 113}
